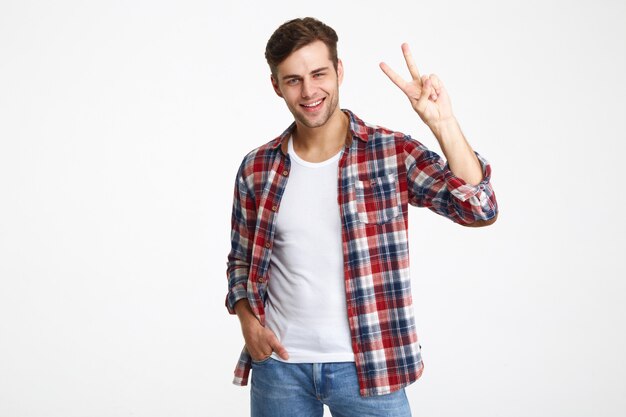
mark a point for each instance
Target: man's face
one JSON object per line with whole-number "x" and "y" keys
{"x": 309, "y": 84}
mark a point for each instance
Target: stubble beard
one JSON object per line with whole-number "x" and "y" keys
{"x": 330, "y": 109}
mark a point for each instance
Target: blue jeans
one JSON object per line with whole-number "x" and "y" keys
{"x": 280, "y": 389}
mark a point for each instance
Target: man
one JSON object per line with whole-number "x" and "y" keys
{"x": 318, "y": 272}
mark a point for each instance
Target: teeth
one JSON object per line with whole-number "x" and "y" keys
{"x": 312, "y": 104}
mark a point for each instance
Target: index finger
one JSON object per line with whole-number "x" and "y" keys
{"x": 393, "y": 76}
{"x": 408, "y": 57}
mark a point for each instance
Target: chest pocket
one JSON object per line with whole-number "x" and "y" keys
{"x": 377, "y": 199}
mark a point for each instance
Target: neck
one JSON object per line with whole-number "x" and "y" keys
{"x": 330, "y": 136}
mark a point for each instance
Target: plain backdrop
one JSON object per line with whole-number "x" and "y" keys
{"x": 122, "y": 125}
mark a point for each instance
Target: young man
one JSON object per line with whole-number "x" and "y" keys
{"x": 318, "y": 272}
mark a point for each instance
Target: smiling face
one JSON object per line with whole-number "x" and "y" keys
{"x": 309, "y": 84}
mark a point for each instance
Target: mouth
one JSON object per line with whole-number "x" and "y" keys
{"x": 311, "y": 107}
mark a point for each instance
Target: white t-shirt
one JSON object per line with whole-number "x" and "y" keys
{"x": 306, "y": 305}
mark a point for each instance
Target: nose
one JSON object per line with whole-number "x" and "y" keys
{"x": 307, "y": 88}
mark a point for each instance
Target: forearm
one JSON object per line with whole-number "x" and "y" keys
{"x": 458, "y": 152}
{"x": 260, "y": 341}
{"x": 244, "y": 311}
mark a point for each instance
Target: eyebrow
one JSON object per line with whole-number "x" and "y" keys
{"x": 288, "y": 76}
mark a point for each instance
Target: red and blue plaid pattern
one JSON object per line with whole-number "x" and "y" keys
{"x": 380, "y": 173}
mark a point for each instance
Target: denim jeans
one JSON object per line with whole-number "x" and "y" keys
{"x": 280, "y": 389}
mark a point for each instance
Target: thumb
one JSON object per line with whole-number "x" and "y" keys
{"x": 278, "y": 348}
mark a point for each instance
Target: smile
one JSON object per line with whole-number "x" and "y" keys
{"x": 313, "y": 106}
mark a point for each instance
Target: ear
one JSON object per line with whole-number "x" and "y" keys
{"x": 275, "y": 86}
{"x": 339, "y": 71}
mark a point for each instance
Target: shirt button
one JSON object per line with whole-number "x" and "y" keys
{"x": 274, "y": 208}
{"x": 285, "y": 172}
{"x": 261, "y": 280}
{"x": 267, "y": 245}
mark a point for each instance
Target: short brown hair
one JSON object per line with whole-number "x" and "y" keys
{"x": 295, "y": 34}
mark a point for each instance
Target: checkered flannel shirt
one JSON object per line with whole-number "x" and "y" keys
{"x": 380, "y": 173}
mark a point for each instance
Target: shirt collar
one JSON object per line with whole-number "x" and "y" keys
{"x": 357, "y": 129}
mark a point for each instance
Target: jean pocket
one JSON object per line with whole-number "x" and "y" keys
{"x": 262, "y": 361}
{"x": 377, "y": 199}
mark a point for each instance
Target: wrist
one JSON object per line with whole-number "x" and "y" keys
{"x": 441, "y": 127}
{"x": 447, "y": 131}
{"x": 250, "y": 324}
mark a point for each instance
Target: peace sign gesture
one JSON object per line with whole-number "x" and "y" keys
{"x": 426, "y": 93}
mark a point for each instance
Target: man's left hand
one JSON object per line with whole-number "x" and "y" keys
{"x": 426, "y": 93}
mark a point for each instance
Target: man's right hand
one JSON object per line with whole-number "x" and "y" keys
{"x": 260, "y": 341}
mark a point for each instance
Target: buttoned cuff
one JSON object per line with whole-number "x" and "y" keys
{"x": 464, "y": 191}
{"x": 236, "y": 293}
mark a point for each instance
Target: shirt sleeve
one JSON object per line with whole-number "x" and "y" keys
{"x": 243, "y": 222}
{"x": 431, "y": 184}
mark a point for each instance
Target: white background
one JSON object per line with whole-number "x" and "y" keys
{"x": 122, "y": 124}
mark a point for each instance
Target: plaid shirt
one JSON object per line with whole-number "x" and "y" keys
{"x": 380, "y": 173}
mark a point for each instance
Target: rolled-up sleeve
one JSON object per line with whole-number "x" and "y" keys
{"x": 431, "y": 184}
{"x": 243, "y": 221}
